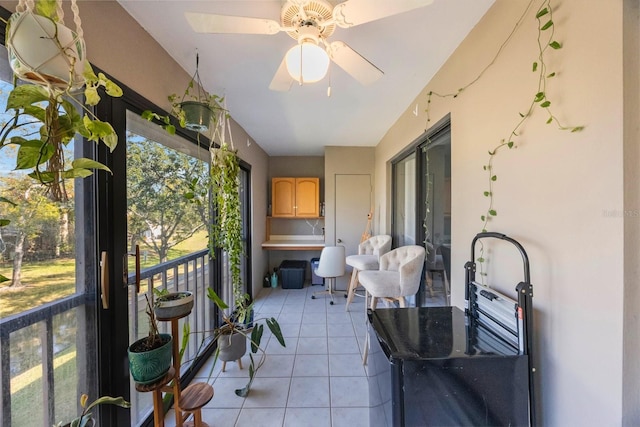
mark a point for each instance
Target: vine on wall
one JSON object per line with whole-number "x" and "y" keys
{"x": 546, "y": 42}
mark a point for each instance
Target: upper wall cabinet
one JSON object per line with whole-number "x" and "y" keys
{"x": 295, "y": 197}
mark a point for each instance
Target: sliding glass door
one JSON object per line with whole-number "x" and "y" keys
{"x": 422, "y": 209}
{"x": 166, "y": 218}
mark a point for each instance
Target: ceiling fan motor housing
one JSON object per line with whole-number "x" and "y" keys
{"x": 308, "y": 17}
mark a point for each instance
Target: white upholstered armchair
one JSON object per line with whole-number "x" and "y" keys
{"x": 369, "y": 252}
{"x": 398, "y": 276}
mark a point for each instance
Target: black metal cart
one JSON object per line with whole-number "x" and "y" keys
{"x": 442, "y": 366}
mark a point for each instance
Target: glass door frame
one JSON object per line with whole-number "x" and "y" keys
{"x": 417, "y": 149}
{"x": 113, "y": 340}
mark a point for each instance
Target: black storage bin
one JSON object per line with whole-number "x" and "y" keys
{"x": 292, "y": 274}
{"x": 315, "y": 279}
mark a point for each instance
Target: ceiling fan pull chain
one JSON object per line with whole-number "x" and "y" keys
{"x": 329, "y": 87}
{"x": 301, "y": 73}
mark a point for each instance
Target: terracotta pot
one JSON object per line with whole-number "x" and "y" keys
{"x": 34, "y": 53}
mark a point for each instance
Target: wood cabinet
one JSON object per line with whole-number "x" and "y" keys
{"x": 295, "y": 197}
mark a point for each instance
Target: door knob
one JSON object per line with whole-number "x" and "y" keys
{"x": 339, "y": 240}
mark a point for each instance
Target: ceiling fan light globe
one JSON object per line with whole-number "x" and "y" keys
{"x": 307, "y": 62}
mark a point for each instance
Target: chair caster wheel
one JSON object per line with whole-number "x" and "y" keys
{"x": 313, "y": 297}
{"x": 331, "y": 302}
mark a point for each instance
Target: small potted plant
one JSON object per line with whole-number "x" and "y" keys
{"x": 169, "y": 305}
{"x": 236, "y": 329}
{"x": 150, "y": 357}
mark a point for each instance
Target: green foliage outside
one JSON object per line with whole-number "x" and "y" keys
{"x": 160, "y": 207}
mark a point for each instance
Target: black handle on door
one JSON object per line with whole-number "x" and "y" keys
{"x": 125, "y": 268}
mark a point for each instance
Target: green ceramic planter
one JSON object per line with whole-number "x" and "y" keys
{"x": 150, "y": 366}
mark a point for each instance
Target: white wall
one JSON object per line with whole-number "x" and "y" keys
{"x": 552, "y": 192}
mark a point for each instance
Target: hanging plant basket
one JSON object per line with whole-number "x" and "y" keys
{"x": 45, "y": 52}
{"x": 198, "y": 115}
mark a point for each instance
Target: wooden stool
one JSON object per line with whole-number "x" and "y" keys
{"x": 192, "y": 399}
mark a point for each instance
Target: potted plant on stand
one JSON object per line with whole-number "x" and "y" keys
{"x": 150, "y": 357}
{"x": 172, "y": 304}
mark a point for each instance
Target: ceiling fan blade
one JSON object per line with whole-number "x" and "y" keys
{"x": 282, "y": 81}
{"x": 210, "y": 23}
{"x": 356, "y": 12}
{"x": 353, "y": 63}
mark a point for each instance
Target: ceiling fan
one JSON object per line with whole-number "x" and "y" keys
{"x": 311, "y": 22}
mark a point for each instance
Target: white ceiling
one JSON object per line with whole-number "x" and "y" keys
{"x": 409, "y": 48}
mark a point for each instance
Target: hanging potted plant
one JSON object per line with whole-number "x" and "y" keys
{"x": 150, "y": 357}
{"x": 46, "y": 116}
{"x": 42, "y": 49}
{"x": 196, "y": 108}
{"x": 225, "y": 233}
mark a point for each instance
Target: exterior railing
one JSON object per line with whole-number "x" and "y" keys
{"x": 51, "y": 334}
{"x": 188, "y": 273}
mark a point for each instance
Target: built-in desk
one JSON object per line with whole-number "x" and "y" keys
{"x": 294, "y": 243}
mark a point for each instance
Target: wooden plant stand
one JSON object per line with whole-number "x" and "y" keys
{"x": 190, "y": 400}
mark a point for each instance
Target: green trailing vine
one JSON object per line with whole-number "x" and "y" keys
{"x": 226, "y": 230}
{"x": 545, "y": 41}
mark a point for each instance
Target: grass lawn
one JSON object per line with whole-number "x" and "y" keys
{"x": 44, "y": 281}
{"x": 47, "y": 281}
{"x": 26, "y": 389}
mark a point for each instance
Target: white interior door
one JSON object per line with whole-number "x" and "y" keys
{"x": 353, "y": 205}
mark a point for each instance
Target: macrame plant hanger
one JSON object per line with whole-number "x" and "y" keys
{"x": 44, "y": 51}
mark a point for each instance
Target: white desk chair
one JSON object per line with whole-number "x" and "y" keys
{"x": 330, "y": 266}
{"x": 369, "y": 252}
{"x": 398, "y": 277}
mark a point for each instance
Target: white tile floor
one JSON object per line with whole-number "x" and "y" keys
{"x": 317, "y": 380}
